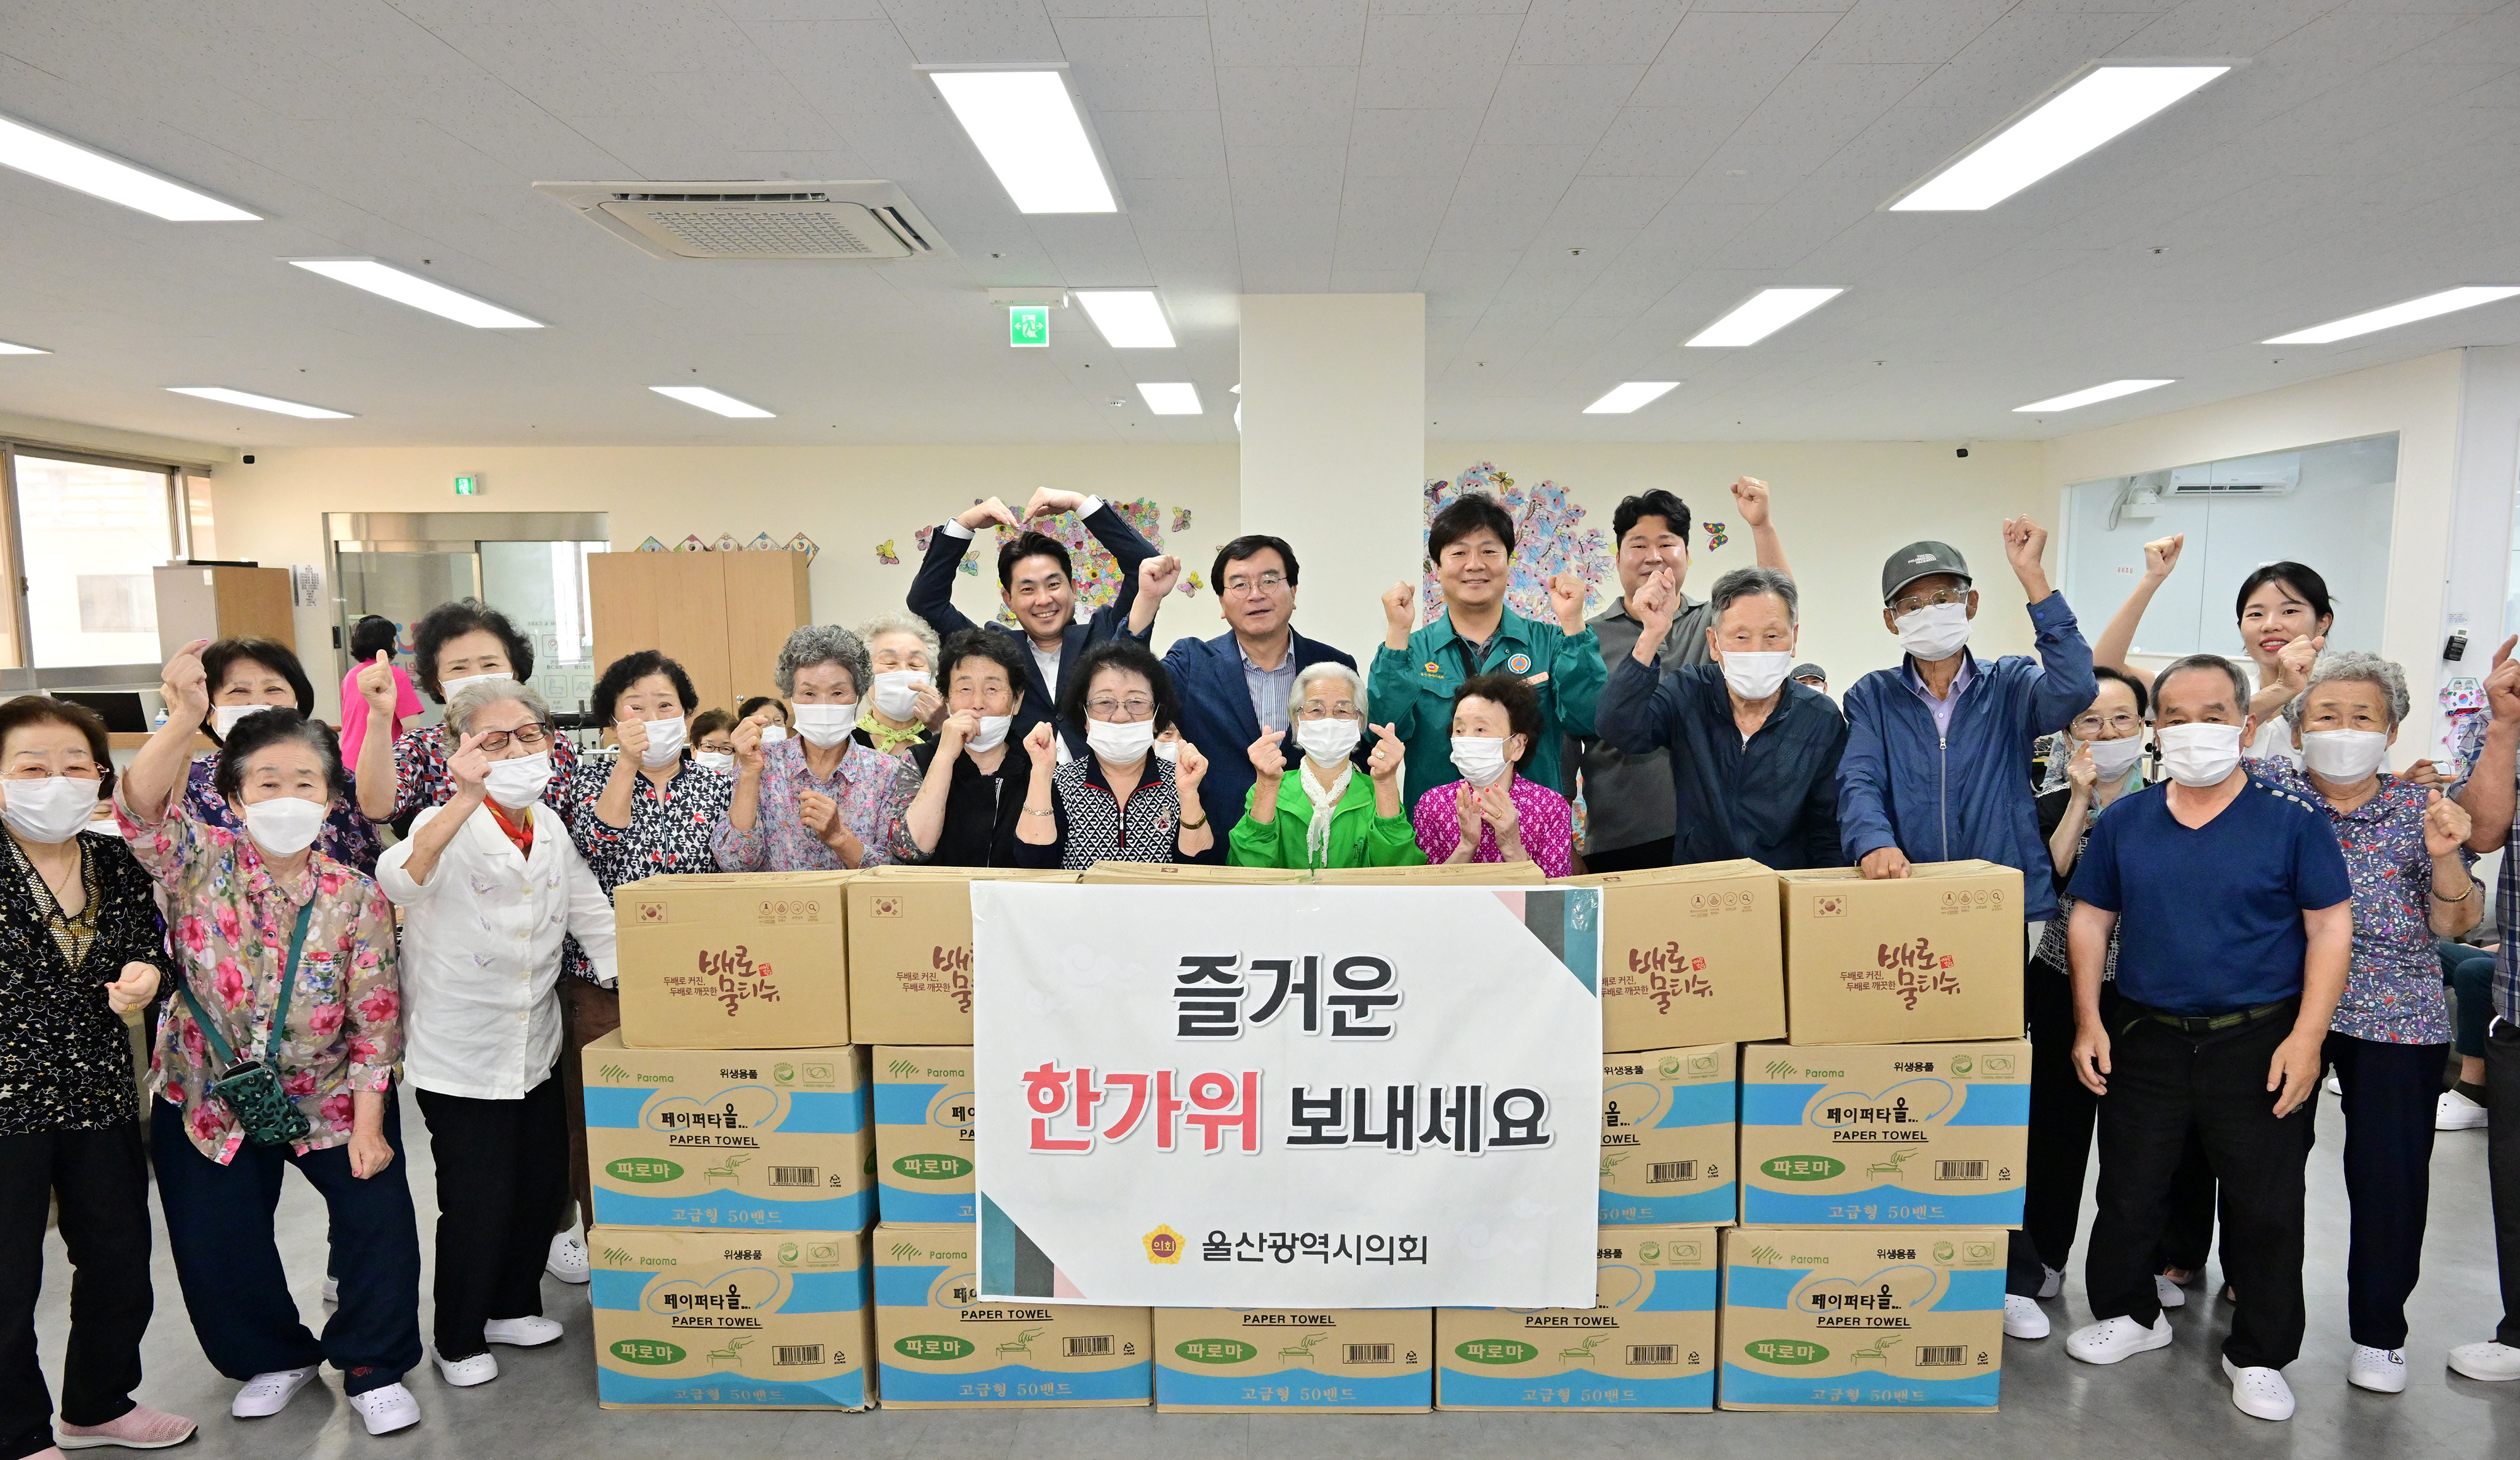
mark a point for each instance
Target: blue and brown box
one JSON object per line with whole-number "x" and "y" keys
{"x": 730, "y": 1320}
{"x": 1668, "y": 1137}
{"x": 1919, "y": 1135}
{"x": 941, "y": 1345}
{"x": 1646, "y": 1345}
{"x": 1295, "y": 1360}
{"x": 923, "y": 1133}
{"x": 730, "y": 1138}
{"x": 1862, "y": 1318}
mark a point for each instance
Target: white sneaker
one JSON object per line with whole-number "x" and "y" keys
{"x": 2335, "y": 1086}
{"x": 2456, "y": 1112}
{"x": 266, "y": 1395}
{"x": 2382, "y": 1371}
{"x": 2171, "y": 1294}
{"x": 521, "y": 1333}
{"x": 388, "y": 1409}
{"x": 2051, "y": 1284}
{"x": 2113, "y": 1338}
{"x": 2023, "y": 1318}
{"x": 2260, "y": 1393}
{"x": 567, "y": 1260}
{"x": 464, "y": 1373}
{"x": 333, "y": 1291}
{"x": 2489, "y": 1360}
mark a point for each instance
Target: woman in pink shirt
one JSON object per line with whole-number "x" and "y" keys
{"x": 370, "y": 637}
{"x": 1493, "y": 814}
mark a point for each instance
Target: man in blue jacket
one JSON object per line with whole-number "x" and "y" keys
{"x": 1236, "y": 687}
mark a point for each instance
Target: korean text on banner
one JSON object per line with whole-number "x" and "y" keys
{"x": 1264, "y": 1096}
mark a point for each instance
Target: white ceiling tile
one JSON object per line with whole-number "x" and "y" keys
{"x": 1305, "y": 271}
{"x": 1892, "y": 31}
{"x": 1660, "y": 140}
{"x": 1435, "y": 143}
{"x": 1450, "y": 7}
{"x": 1288, "y": 33}
{"x": 947, "y": 32}
{"x": 1285, "y": 105}
{"x": 746, "y": 111}
{"x": 1505, "y": 194}
{"x": 1346, "y": 280}
{"x": 1181, "y": 202}
{"x": 559, "y": 67}
{"x": 1612, "y": 203}
{"x": 846, "y": 65}
{"x": 1433, "y": 61}
{"x": 1140, "y": 65}
{"x": 1285, "y": 231}
{"x": 1162, "y": 144}
{"x": 1187, "y": 257}
{"x": 1596, "y": 32}
{"x": 1270, "y": 178}
{"x": 2223, "y": 30}
{"x": 1390, "y": 223}
{"x": 1065, "y": 10}
{"x": 1539, "y": 106}
{"x": 1729, "y": 60}
{"x": 1821, "y": 107}
{"x": 744, "y": 11}
{"x": 654, "y": 36}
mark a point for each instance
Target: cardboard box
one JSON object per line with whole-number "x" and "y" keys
{"x": 1935, "y": 955}
{"x": 730, "y": 1320}
{"x": 1689, "y": 955}
{"x": 910, "y": 950}
{"x": 734, "y": 960}
{"x": 1294, "y": 1361}
{"x": 1846, "y": 1319}
{"x": 1934, "y": 1135}
{"x": 1191, "y": 873}
{"x": 775, "y": 1139}
{"x": 939, "y": 1345}
{"x": 1648, "y": 1344}
{"x": 1434, "y": 874}
{"x": 923, "y": 1133}
{"x": 1668, "y": 1137}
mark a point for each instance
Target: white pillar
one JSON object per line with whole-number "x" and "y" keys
{"x": 1334, "y": 449}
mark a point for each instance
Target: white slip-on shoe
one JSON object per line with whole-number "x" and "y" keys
{"x": 2382, "y": 1371}
{"x": 2023, "y": 1318}
{"x": 139, "y": 1428}
{"x": 388, "y": 1409}
{"x": 2335, "y": 1086}
{"x": 2171, "y": 1294}
{"x": 333, "y": 1291}
{"x": 2456, "y": 1112}
{"x": 2052, "y": 1282}
{"x": 2489, "y": 1361}
{"x": 464, "y": 1373}
{"x": 521, "y": 1333}
{"x": 567, "y": 1260}
{"x": 2260, "y": 1393}
{"x": 266, "y": 1395}
{"x": 2113, "y": 1338}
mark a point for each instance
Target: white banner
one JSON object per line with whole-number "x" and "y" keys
{"x": 1288, "y": 1096}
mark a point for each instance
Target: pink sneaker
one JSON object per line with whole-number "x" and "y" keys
{"x": 143, "y": 1429}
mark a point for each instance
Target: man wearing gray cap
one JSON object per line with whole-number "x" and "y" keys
{"x": 1812, "y": 676}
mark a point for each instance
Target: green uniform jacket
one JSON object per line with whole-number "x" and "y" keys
{"x": 1358, "y": 836}
{"x": 1413, "y": 691}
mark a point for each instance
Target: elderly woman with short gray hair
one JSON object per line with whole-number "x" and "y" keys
{"x": 2405, "y": 849}
{"x": 901, "y": 706}
{"x": 822, "y": 798}
{"x": 1322, "y": 813}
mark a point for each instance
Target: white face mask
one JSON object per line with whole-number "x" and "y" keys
{"x": 2346, "y": 756}
{"x": 771, "y": 735}
{"x": 225, "y": 717}
{"x": 1328, "y": 741}
{"x": 52, "y": 809}
{"x": 896, "y": 692}
{"x": 992, "y": 733}
{"x": 284, "y": 825}
{"x": 2200, "y": 756}
{"x": 1481, "y": 758}
{"x": 1936, "y": 631}
{"x": 519, "y": 783}
{"x": 665, "y": 739}
{"x": 1120, "y": 744}
{"x": 717, "y": 760}
{"x": 2113, "y": 758}
{"x": 1167, "y": 750}
{"x": 450, "y": 688}
{"x": 826, "y": 726}
{"x": 1755, "y": 676}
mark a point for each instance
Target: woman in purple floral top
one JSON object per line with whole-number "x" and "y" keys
{"x": 246, "y": 675}
{"x": 453, "y": 644}
{"x": 821, "y": 799}
{"x": 1493, "y": 814}
{"x": 2405, "y": 847}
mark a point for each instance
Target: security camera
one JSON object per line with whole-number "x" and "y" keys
{"x": 1964, "y": 451}
{"x": 248, "y": 457}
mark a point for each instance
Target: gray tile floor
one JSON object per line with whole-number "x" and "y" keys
{"x": 2171, "y": 1404}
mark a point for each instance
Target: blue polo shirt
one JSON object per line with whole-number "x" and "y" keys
{"x": 2209, "y": 918}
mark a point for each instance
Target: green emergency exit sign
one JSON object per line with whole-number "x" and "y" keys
{"x": 465, "y": 486}
{"x": 1028, "y": 326}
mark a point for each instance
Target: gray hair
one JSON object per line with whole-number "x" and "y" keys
{"x": 1751, "y": 582}
{"x": 2214, "y": 662}
{"x": 895, "y": 621}
{"x": 1324, "y": 669}
{"x": 473, "y": 698}
{"x": 2355, "y": 666}
{"x": 823, "y": 644}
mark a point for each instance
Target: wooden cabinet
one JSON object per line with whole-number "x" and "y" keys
{"x": 222, "y": 602}
{"x": 721, "y": 616}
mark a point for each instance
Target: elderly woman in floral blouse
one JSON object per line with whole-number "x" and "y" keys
{"x": 822, "y": 797}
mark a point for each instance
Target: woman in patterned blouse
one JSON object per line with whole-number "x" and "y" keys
{"x": 1493, "y": 814}
{"x": 247, "y": 675}
{"x": 289, "y": 956}
{"x": 822, "y": 797}
{"x": 80, "y": 946}
{"x": 1119, "y": 802}
{"x": 453, "y": 644}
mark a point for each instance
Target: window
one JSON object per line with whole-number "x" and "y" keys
{"x": 88, "y": 536}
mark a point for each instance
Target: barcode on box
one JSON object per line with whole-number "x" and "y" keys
{"x": 1932, "y": 1355}
{"x": 1959, "y": 1171}
{"x": 1368, "y": 1354}
{"x": 796, "y": 1355}
{"x": 1663, "y": 1171}
{"x": 1653, "y": 1354}
{"x": 796, "y": 1175}
{"x": 1089, "y": 1346}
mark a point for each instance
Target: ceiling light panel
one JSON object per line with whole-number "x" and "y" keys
{"x": 2448, "y": 300}
{"x": 1029, "y": 131}
{"x": 713, "y": 400}
{"x": 45, "y": 155}
{"x": 272, "y": 404}
{"x": 1764, "y": 314}
{"x": 1628, "y": 395}
{"x": 2092, "y": 397}
{"x": 1170, "y": 397}
{"x": 1128, "y": 318}
{"x": 391, "y": 282}
{"x": 2074, "y": 121}
{"x": 7, "y": 349}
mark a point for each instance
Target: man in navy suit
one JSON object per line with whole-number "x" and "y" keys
{"x": 1236, "y": 686}
{"x": 1035, "y": 582}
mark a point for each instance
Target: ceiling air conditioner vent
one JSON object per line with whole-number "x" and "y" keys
{"x": 839, "y": 220}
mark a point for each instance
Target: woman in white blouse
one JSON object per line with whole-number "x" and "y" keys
{"x": 489, "y": 883}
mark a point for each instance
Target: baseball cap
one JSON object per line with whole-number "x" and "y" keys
{"x": 1920, "y": 559}
{"x": 1808, "y": 671}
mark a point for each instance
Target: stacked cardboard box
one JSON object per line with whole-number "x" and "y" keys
{"x": 1646, "y": 1345}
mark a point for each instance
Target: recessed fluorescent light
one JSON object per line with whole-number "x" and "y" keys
{"x": 2444, "y": 302}
{"x": 1027, "y": 127}
{"x": 1128, "y": 318}
{"x": 74, "y": 166}
{"x": 419, "y": 294}
{"x": 6, "y": 348}
{"x": 712, "y": 400}
{"x": 2093, "y": 396}
{"x": 1767, "y": 312}
{"x": 1170, "y": 397}
{"x": 1628, "y": 395}
{"x": 2075, "y": 121}
{"x": 270, "y": 404}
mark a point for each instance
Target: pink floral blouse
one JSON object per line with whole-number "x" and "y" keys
{"x": 1548, "y": 826}
{"x": 229, "y": 921}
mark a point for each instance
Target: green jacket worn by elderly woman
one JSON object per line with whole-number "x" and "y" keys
{"x": 1357, "y": 837}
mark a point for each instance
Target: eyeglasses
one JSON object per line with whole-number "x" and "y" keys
{"x": 1267, "y": 582}
{"x": 1342, "y": 710}
{"x": 1939, "y": 598}
{"x": 532, "y": 735}
{"x": 2089, "y": 726}
{"x": 1134, "y": 707}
